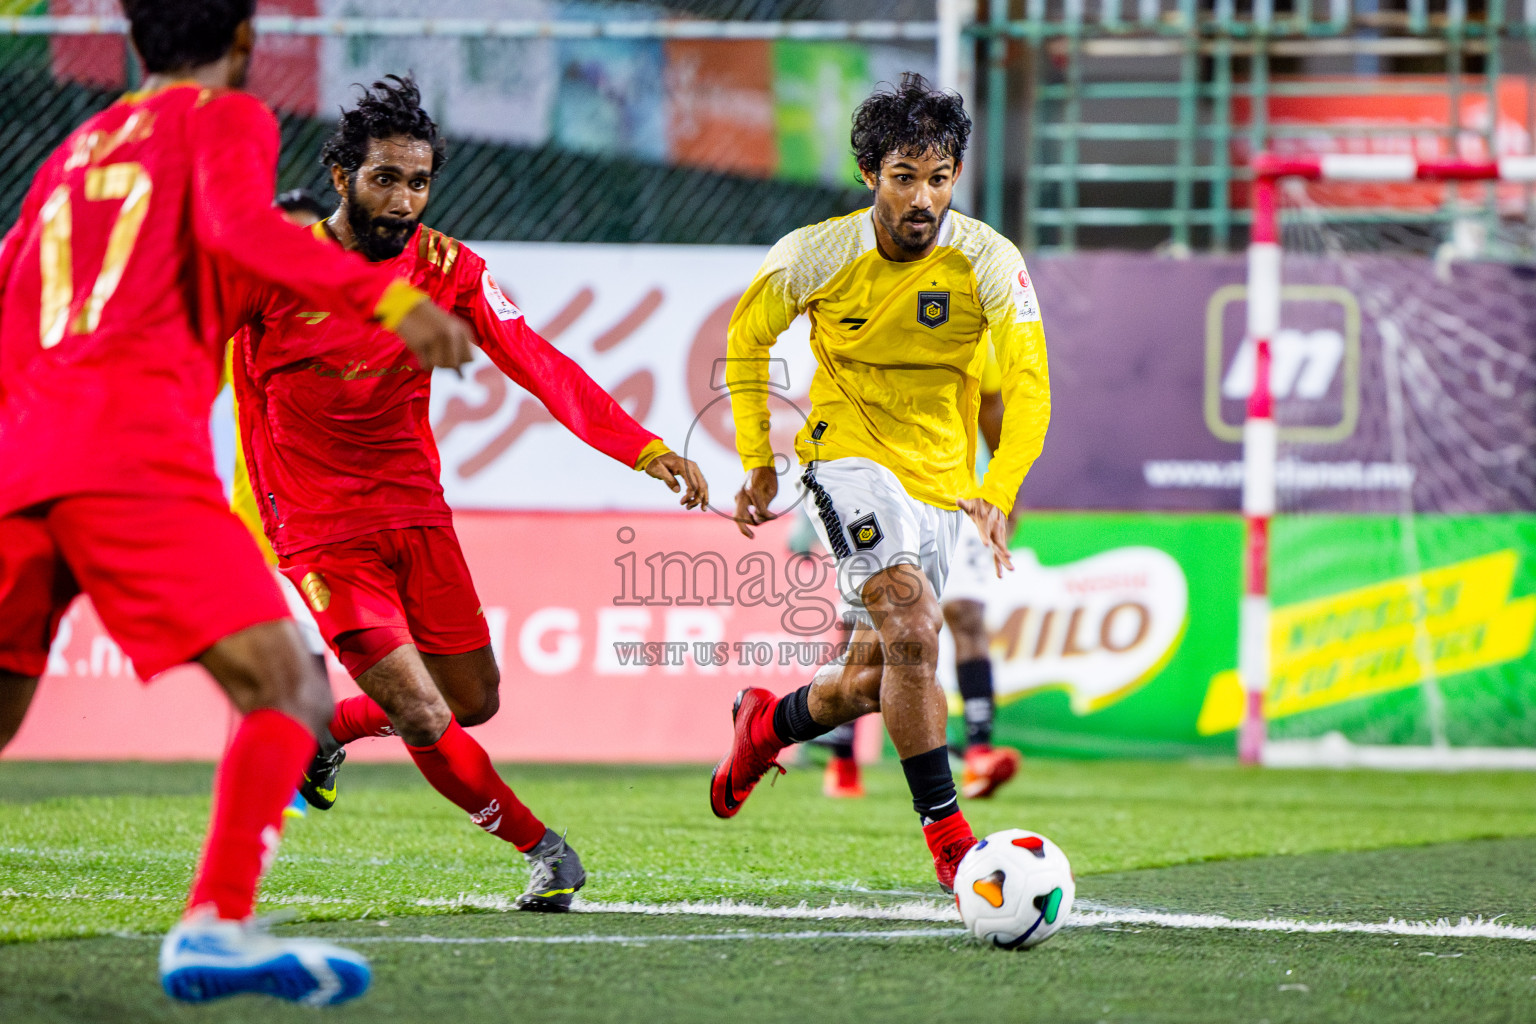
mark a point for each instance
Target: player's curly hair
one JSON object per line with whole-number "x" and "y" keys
{"x": 389, "y": 108}
{"x": 176, "y": 35}
{"x": 911, "y": 118}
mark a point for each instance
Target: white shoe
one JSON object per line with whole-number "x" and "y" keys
{"x": 205, "y": 958}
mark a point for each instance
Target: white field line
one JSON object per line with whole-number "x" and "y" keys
{"x": 641, "y": 940}
{"x": 1465, "y": 928}
{"x": 128, "y": 897}
{"x": 909, "y": 910}
{"x": 1086, "y": 915}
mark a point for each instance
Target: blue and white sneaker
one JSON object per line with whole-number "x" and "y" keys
{"x": 204, "y": 958}
{"x": 298, "y": 807}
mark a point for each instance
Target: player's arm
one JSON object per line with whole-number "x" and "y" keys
{"x": 990, "y": 417}
{"x": 764, "y": 312}
{"x": 1013, "y": 316}
{"x": 234, "y": 158}
{"x": 990, "y": 413}
{"x": 567, "y": 392}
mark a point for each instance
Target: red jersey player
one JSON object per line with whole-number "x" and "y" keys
{"x": 333, "y": 417}
{"x": 111, "y": 340}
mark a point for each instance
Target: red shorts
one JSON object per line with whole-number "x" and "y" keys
{"x": 413, "y": 581}
{"x": 170, "y": 577}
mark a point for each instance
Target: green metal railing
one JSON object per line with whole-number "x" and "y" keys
{"x": 1196, "y": 65}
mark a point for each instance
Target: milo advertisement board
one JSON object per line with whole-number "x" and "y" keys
{"x": 1117, "y": 634}
{"x": 1106, "y": 635}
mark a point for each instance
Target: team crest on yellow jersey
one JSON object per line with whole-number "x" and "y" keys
{"x": 932, "y": 308}
{"x": 866, "y": 532}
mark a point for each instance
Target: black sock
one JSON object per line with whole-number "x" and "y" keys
{"x": 327, "y": 742}
{"x": 792, "y": 718}
{"x": 975, "y": 679}
{"x": 932, "y": 785}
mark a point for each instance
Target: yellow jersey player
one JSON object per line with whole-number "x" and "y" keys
{"x": 964, "y": 603}
{"x": 902, "y": 298}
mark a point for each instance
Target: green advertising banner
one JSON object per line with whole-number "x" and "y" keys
{"x": 1117, "y": 636}
{"x": 1394, "y": 630}
{"x": 1107, "y": 634}
{"x": 816, "y": 86}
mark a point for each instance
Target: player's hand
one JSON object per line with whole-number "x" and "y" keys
{"x": 993, "y": 526}
{"x": 436, "y": 337}
{"x": 668, "y": 466}
{"x": 755, "y": 496}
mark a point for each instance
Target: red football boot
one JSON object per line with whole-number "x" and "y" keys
{"x": 949, "y": 840}
{"x": 987, "y": 768}
{"x": 753, "y": 750}
{"x": 842, "y": 779}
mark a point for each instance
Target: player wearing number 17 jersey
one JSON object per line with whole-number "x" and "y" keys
{"x": 111, "y": 341}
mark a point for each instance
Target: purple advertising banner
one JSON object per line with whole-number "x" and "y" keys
{"x": 1400, "y": 384}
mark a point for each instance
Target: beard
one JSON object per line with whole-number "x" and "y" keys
{"x": 379, "y": 238}
{"x": 914, "y": 232}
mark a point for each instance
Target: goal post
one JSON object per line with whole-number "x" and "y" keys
{"x": 1261, "y": 436}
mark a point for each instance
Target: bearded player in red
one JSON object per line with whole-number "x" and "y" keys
{"x": 111, "y": 341}
{"x": 333, "y": 419}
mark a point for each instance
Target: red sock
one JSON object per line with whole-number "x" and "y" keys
{"x": 460, "y": 769}
{"x": 357, "y": 717}
{"x": 764, "y": 736}
{"x": 947, "y": 831}
{"x": 255, "y": 781}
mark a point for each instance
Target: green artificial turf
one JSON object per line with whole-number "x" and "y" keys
{"x": 81, "y": 856}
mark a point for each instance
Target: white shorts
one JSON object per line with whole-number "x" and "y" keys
{"x": 972, "y": 570}
{"x": 313, "y": 641}
{"x": 868, "y": 522}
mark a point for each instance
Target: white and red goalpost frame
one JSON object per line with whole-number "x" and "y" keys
{"x": 1260, "y": 435}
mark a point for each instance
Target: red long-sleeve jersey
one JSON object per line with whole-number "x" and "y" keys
{"x": 112, "y": 324}
{"x": 333, "y": 414}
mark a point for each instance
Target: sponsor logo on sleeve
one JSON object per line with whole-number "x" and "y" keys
{"x": 1025, "y": 307}
{"x": 497, "y": 300}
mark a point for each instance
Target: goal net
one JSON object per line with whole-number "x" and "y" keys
{"x": 1401, "y": 580}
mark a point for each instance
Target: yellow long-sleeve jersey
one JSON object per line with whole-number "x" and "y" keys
{"x": 900, "y": 352}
